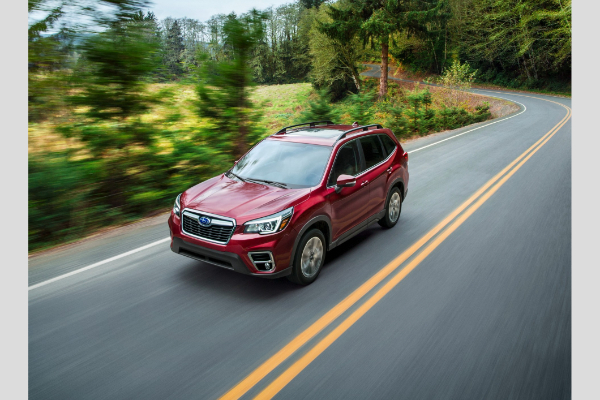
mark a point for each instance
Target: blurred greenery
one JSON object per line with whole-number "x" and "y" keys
{"x": 223, "y": 88}
{"x": 126, "y": 111}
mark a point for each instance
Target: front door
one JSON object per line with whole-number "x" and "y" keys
{"x": 350, "y": 205}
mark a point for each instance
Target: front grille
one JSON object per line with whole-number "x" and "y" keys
{"x": 215, "y": 233}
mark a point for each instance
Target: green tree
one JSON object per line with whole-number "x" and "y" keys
{"x": 48, "y": 56}
{"x": 111, "y": 85}
{"x": 310, "y": 3}
{"x": 224, "y": 87}
{"x": 376, "y": 21}
{"x": 173, "y": 50}
{"x": 319, "y": 110}
{"x": 514, "y": 41}
{"x": 335, "y": 61}
{"x": 456, "y": 79}
{"x": 361, "y": 111}
{"x": 281, "y": 56}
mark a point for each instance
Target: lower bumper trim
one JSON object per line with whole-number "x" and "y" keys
{"x": 223, "y": 259}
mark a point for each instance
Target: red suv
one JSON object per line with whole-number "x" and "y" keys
{"x": 292, "y": 197}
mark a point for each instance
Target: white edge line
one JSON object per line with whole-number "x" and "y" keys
{"x": 58, "y": 278}
{"x": 474, "y": 129}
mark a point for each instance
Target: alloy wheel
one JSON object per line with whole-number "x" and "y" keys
{"x": 394, "y": 206}
{"x": 312, "y": 256}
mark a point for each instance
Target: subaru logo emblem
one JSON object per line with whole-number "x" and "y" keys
{"x": 204, "y": 221}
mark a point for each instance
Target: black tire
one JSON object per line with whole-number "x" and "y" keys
{"x": 393, "y": 204}
{"x": 312, "y": 268}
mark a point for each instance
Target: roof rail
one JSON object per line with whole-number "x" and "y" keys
{"x": 360, "y": 128}
{"x": 310, "y": 124}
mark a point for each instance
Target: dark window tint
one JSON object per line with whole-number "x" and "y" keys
{"x": 372, "y": 150}
{"x": 388, "y": 144}
{"x": 346, "y": 162}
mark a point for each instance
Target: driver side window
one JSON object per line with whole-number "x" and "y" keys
{"x": 346, "y": 162}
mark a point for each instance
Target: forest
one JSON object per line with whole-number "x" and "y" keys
{"x": 126, "y": 110}
{"x": 512, "y": 43}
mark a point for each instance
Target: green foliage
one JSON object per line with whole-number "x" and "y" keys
{"x": 55, "y": 190}
{"x": 396, "y": 120}
{"x": 70, "y": 198}
{"x": 335, "y": 60}
{"x": 458, "y": 76}
{"x": 223, "y": 88}
{"x": 89, "y": 77}
{"x": 514, "y": 42}
{"x": 361, "y": 110}
{"x": 376, "y": 22}
{"x": 415, "y": 116}
{"x": 310, "y": 3}
{"x": 281, "y": 55}
{"x": 48, "y": 56}
{"x": 414, "y": 112}
{"x": 111, "y": 87}
{"x": 173, "y": 50}
{"x": 113, "y": 71}
{"x": 319, "y": 110}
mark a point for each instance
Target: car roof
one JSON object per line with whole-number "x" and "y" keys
{"x": 321, "y": 135}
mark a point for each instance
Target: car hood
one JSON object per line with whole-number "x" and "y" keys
{"x": 240, "y": 200}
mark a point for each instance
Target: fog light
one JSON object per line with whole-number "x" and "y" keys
{"x": 262, "y": 260}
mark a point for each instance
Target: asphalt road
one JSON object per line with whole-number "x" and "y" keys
{"x": 483, "y": 314}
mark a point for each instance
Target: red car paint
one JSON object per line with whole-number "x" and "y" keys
{"x": 245, "y": 201}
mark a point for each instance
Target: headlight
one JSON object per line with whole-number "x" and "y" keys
{"x": 177, "y": 206}
{"x": 271, "y": 224}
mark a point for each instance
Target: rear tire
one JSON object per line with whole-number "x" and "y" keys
{"x": 393, "y": 208}
{"x": 309, "y": 258}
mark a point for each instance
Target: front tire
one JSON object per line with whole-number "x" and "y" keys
{"x": 393, "y": 208}
{"x": 309, "y": 258}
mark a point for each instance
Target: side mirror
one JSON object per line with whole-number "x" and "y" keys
{"x": 344, "y": 181}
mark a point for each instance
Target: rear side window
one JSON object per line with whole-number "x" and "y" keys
{"x": 346, "y": 162}
{"x": 372, "y": 150}
{"x": 388, "y": 144}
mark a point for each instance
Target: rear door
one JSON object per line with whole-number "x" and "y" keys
{"x": 376, "y": 165}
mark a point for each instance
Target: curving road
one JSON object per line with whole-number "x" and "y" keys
{"x": 469, "y": 297}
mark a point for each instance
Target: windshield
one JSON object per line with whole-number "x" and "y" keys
{"x": 293, "y": 164}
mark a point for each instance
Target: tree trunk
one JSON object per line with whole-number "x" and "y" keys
{"x": 445, "y": 49}
{"x": 383, "y": 81}
{"x": 356, "y": 78}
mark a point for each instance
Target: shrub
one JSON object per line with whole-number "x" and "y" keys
{"x": 361, "y": 107}
{"x": 456, "y": 78}
{"x": 319, "y": 110}
{"x": 396, "y": 120}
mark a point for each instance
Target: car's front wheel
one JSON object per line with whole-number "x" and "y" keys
{"x": 309, "y": 258}
{"x": 393, "y": 208}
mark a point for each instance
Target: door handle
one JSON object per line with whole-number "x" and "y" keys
{"x": 389, "y": 170}
{"x": 365, "y": 183}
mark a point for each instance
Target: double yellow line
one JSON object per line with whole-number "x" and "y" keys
{"x": 446, "y": 227}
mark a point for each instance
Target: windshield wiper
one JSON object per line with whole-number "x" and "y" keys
{"x": 273, "y": 183}
{"x": 237, "y": 176}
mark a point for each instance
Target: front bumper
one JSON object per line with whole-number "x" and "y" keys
{"x": 234, "y": 255}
